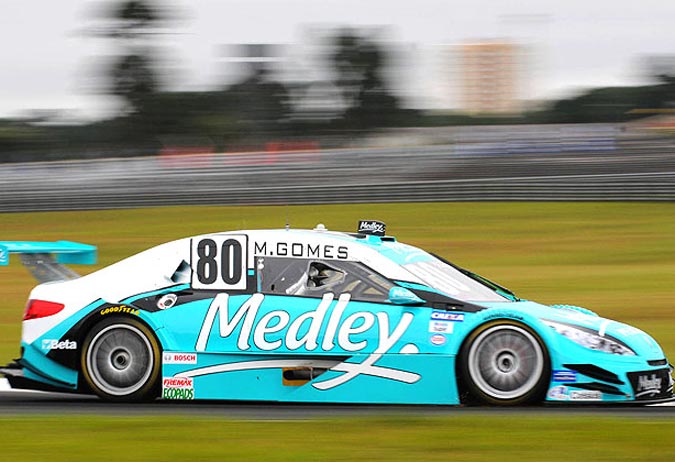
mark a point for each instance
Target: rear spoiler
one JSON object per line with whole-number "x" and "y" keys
{"x": 45, "y": 260}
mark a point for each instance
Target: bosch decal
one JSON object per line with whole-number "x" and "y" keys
{"x": 179, "y": 358}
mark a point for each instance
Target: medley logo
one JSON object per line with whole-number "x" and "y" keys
{"x": 648, "y": 385}
{"x": 376, "y": 228}
{"x": 276, "y": 329}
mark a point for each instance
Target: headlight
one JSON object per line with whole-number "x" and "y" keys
{"x": 590, "y": 339}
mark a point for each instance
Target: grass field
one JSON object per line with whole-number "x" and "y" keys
{"x": 391, "y": 439}
{"x": 615, "y": 258}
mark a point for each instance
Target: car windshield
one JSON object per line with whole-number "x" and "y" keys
{"x": 455, "y": 283}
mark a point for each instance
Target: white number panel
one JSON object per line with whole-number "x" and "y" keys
{"x": 219, "y": 262}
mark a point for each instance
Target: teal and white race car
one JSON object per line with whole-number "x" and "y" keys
{"x": 314, "y": 316}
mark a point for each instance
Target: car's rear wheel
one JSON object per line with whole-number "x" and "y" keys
{"x": 121, "y": 360}
{"x": 504, "y": 362}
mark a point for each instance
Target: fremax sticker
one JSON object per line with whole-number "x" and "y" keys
{"x": 178, "y": 388}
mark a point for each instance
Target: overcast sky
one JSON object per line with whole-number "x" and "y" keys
{"x": 46, "y": 62}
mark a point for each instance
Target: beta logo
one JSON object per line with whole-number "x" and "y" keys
{"x": 179, "y": 358}
{"x": 52, "y": 344}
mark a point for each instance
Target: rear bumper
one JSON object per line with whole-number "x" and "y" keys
{"x": 17, "y": 379}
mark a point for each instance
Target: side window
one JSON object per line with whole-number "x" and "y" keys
{"x": 314, "y": 278}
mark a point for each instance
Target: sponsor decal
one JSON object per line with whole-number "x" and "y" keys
{"x": 444, "y": 327}
{"x": 559, "y": 392}
{"x": 301, "y": 250}
{"x": 564, "y": 376}
{"x": 120, "y": 309}
{"x": 585, "y": 395}
{"x": 167, "y": 301}
{"x": 648, "y": 385}
{"x": 178, "y": 388}
{"x": 52, "y": 344}
{"x": 276, "y": 329}
{"x": 437, "y": 339}
{"x": 374, "y": 227}
{"x": 443, "y": 321}
{"x": 447, "y": 316}
{"x": 179, "y": 358}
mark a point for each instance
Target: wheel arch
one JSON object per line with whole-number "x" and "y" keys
{"x": 89, "y": 322}
{"x": 531, "y": 323}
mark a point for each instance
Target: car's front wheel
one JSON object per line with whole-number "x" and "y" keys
{"x": 121, "y": 360}
{"x": 504, "y": 362}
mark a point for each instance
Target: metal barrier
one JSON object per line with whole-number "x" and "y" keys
{"x": 628, "y": 170}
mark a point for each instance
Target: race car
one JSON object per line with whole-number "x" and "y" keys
{"x": 315, "y": 316}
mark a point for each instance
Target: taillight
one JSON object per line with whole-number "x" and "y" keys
{"x": 40, "y": 309}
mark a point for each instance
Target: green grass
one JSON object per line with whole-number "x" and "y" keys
{"x": 460, "y": 438}
{"x": 615, "y": 258}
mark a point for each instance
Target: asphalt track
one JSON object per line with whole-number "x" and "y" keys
{"x": 25, "y": 403}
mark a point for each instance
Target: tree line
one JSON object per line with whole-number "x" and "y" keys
{"x": 261, "y": 108}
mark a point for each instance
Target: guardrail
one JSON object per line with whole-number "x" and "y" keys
{"x": 642, "y": 170}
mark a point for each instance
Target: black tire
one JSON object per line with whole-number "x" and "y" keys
{"x": 505, "y": 363}
{"x": 121, "y": 360}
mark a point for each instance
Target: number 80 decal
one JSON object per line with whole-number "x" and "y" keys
{"x": 219, "y": 262}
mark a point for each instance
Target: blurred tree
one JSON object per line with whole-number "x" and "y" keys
{"x": 133, "y": 75}
{"x": 133, "y": 79}
{"x": 666, "y": 83}
{"x": 261, "y": 102}
{"x": 360, "y": 64}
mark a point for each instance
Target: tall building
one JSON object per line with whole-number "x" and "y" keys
{"x": 490, "y": 77}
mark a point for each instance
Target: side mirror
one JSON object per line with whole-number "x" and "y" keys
{"x": 402, "y": 296}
